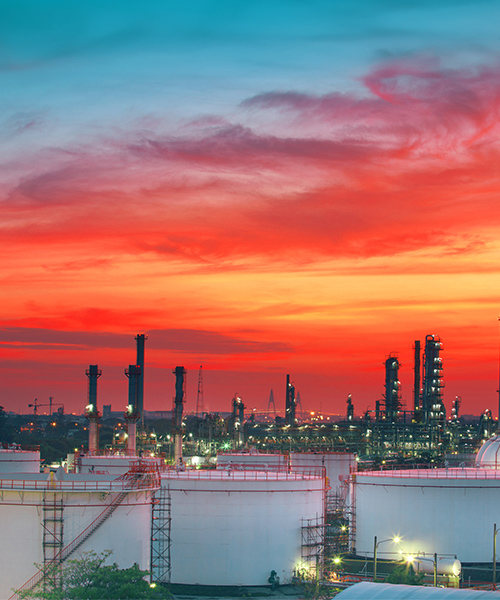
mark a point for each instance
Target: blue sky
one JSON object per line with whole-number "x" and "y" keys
{"x": 291, "y": 182}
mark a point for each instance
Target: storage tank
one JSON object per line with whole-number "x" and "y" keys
{"x": 488, "y": 456}
{"x": 111, "y": 464}
{"x": 252, "y": 461}
{"x": 445, "y": 511}
{"x": 233, "y": 527}
{"x": 338, "y": 465}
{"x": 44, "y": 514}
{"x": 15, "y": 460}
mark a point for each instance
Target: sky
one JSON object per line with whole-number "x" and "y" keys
{"x": 292, "y": 187}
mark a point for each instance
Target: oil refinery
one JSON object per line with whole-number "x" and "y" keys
{"x": 284, "y": 495}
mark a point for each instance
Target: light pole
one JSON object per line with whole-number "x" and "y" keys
{"x": 498, "y": 390}
{"x": 376, "y": 544}
{"x": 495, "y": 531}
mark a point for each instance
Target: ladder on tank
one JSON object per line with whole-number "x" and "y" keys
{"x": 52, "y": 568}
{"x": 53, "y": 532}
{"x": 161, "y": 522}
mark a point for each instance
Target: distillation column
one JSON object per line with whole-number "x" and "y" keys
{"x": 290, "y": 403}
{"x": 392, "y": 389}
{"x": 432, "y": 398}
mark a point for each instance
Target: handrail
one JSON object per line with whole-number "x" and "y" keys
{"x": 241, "y": 473}
{"x": 76, "y": 486}
{"x": 469, "y": 473}
{"x": 130, "y": 483}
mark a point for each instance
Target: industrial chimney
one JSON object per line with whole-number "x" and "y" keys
{"x": 91, "y": 412}
{"x": 180, "y": 381}
{"x": 140, "y": 339}
{"x": 132, "y": 413}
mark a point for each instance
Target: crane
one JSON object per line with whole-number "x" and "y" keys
{"x": 37, "y": 405}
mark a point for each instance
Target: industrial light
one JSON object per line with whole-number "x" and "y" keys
{"x": 337, "y": 560}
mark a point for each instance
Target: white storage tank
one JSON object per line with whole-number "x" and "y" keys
{"x": 338, "y": 466}
{"x": 233, "y": 527}
{"x": 15, "y": 460}
{"x": 111, "y": 464}
{"x": 488, "y": 456}
{"x": 252, "y": 461}
{"x": 444, "y": 511}
{"x": 37, "y": 509}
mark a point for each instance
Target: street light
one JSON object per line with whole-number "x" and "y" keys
{"x": 495, "y": 531}
{"x": 376, "y": 544}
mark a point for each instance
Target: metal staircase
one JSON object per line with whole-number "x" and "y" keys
{"x": 136, "y": 478}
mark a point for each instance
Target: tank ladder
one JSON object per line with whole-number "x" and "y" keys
{"x": 53, "y": 533}
{"x": 161, "y": 524}
{"x": 50, "y": 570}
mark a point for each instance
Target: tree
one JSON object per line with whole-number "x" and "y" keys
{"x": 405, "y": 574}
{"x": 89, "y": 578}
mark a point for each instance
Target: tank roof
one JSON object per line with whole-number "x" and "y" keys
{"x": 468, "y": 473}
{"x": 244, "y": 475}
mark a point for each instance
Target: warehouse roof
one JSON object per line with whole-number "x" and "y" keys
{"x": 386, "y": 591}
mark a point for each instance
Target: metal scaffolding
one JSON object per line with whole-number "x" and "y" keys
{"x": 312, "y": 547}
{"x": 161, "y": 521}
{"x": 53, "y": 534}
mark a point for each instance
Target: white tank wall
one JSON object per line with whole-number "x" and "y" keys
{"x": 111, "y": 464}
{"x": 338, "y": 465}
{"x": 251, "y": 461}
{"x": 231, "y": 530}
{"x": 445, "y": 511}
{"x": 19, "y": 461}
{"x": 126, "y": 533}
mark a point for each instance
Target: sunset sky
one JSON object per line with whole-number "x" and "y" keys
{"x": 262, "y": 187}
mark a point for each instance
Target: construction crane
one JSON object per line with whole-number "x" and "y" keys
{"x": 36, "y": 405}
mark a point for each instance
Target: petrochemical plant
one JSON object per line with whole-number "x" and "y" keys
{"x": 230, "y": 501}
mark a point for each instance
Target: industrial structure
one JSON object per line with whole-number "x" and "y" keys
{"x": 53, "y": 516}
{"x": 318, "y": 483}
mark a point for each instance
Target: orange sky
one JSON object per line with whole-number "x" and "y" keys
{"x": 258, "y": 229}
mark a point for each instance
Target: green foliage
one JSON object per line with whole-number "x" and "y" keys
{"x": 405, "y": 574}
{"x": 89, "y": 578}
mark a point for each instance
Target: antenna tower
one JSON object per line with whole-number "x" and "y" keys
{"x": 200, "y": 409}
{"x": 271, "y": 401}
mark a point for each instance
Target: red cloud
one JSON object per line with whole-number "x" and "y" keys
{"x": 412, "y": 163}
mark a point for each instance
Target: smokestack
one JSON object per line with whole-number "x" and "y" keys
{"x": 290, "y": 402}
{"x": 132, "y": 414}
{"x": 91, "y": 412}
{"x": 140, "y": 339}
{"x": 180, "y": 379}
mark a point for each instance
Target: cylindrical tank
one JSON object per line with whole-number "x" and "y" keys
{"x": 338, "y": 465}
{"x": 252, "y": 461}
{"x": 445, "y": 511}
{"x": 112, "y": 464}
{"x": 19, "y": 461}
{"x": 444, "y": 566}
{"x": 36, "y": 510}
{"x": 235, "y": 527}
